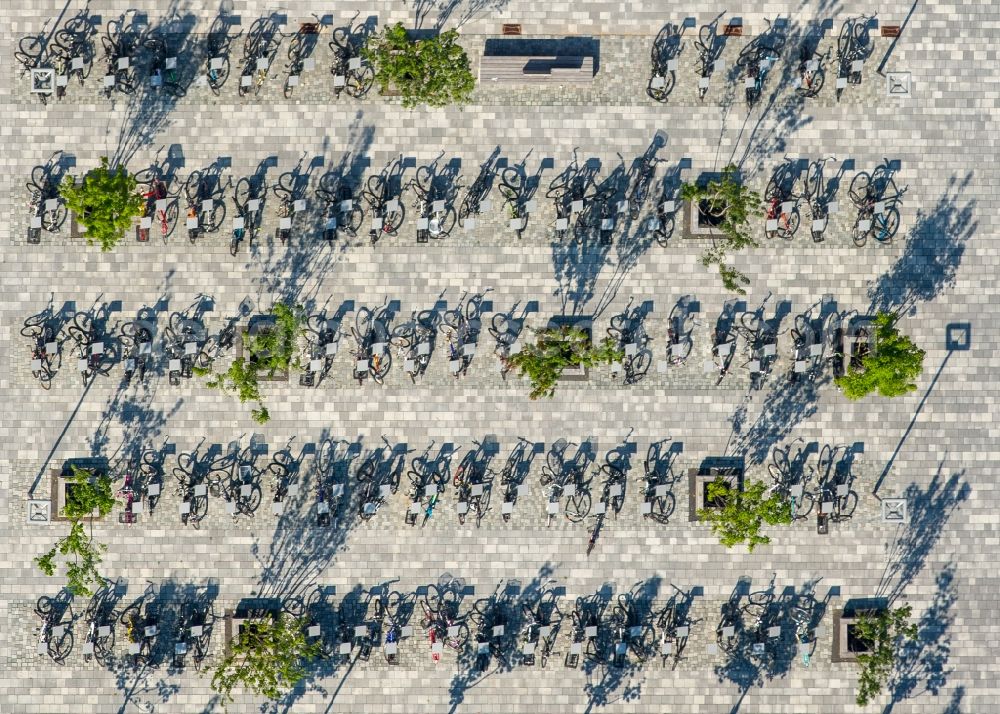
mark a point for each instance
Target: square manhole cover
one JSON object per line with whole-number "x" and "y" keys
{"x": 897, "y": 84}
{"x": 894, "y": 510}
{"x": 39, "y": 511}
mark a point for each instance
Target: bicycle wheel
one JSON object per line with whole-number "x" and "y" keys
{"x": 662, "y": 507}
{"x": 512, "y": 178}
{"x": 886, "y": 226}
{"x": 706, "y": 37}
{"x": 43, "y": 606}
{"x": 846, "y": 38}
{"x": 858, "y": 234}
{"x": 359, "y": 82}
{"x": 812, "y": 186}
{"x": 639, "y": 366}
{"x": 787, "y": 227}
{"x": 860, "y": 189}
{"x": 578, "y": 507}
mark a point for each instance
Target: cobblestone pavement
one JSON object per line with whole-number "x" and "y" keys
{"x": 935, "y": 447}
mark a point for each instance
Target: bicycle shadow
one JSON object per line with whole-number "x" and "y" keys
{"x": 932, "y": 253}
{"x": 921, "y": 665}
{"x": 928, "y": 511}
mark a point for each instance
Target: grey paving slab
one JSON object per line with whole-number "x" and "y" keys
{"x": 935, "y": 446}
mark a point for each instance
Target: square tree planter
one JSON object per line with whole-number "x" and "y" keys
{"x": 698, "y": 480}
{"x": 574, "y": 374}
{"x": 254, "y": 325}
{"x": 846, "y": 646}
{"x": 61, "y": 484}
{"x": 235, "y": 619}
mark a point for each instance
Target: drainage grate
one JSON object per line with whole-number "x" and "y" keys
{"x": 733, "y": 30}
{"x": 890, "y": 30}
{"x": 309, "y": 28}
{"x": 512, "y": 29}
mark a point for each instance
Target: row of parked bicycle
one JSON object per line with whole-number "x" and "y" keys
{"x": 339, "y": 484}
{"x": 822, "y": 339}
{"x": 165, "y": 60}
{"x": 754, "y": 64}
{"x": 512, "y": 626}
{"x": 640, "y": 198}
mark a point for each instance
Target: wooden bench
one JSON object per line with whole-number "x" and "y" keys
{"x": 521, "y": 69}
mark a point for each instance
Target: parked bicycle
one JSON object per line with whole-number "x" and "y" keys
{"x": 385, "y": 208}
{"x": 350, "y": 72}
{"x": 55, "y": 635}
{"x": 854, "y": 46}
{"x": 343, "y": 212}
{"x": 217, "y": 45}
{"x": 664, "y": 55}
{"x": 371, "y": 356}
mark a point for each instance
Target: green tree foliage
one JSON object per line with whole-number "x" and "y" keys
{"x": 735, "y": 204}
{"x": 881, "y": 631}
{"x": 269, "y": 350}
{"x": 740, "y": 518}
{"x": 434, "y": 71}
{"x": 268, "y": 657}
{"x": 890, "y": 368}
{"x": 105, "y": 201}
{"x": 556, "y": 349}
{"x": 88, "y": 492}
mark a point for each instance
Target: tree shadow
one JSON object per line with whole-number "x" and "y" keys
{"x": 468, "y": 10}
{"x": 928, "y": 510}
{"x": 295, "y": 274}
{"x": 148, "y": 108}
{"x": 931, "y": 256}
{"x": 776, "y": 120}
{"x": 921, "y": 664}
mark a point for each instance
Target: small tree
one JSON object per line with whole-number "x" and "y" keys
{"x": 105, "y": 202}
{"x": 734, "y": 205}
{"x": 434, "y": 71}
{"x": 881, "y": 632}
{"x": 743, "y": 512}
{"x": 268, "y": 657}
{"x": 269, "y": 350}
{"x": 86, "y": 492}
{"x": 889, "y": 368}
{"x": 556, "y": 349}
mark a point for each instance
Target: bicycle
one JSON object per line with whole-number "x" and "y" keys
{"x": 299, "y": 49}
{"x": 217, "y": 53}
{"x": 31, "y": 50}
{"x": 387, "y": 213}
{"x": 810, "y": 77}
{"x": 371, "y": 358}
{"x": 342, "y": 211}
{"x": 854, "y": 45}
{"x": 706, "y": 44}
{"x": 163, "y": 73}
{"x": 756, "y": 60}
{"x": 55, "y": 639}
{"x": 659, "y": 477}
{"x": 512, "y": 187}
{"x": 814, "y": 194}
{"x": 477, "y": 193}
{"x": 349, "y": 72}
{"x": 640, "y": 190}
{"x": 664, "y": 55}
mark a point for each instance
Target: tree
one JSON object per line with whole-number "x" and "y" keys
{"x": 434, "y": 71}
{"x": 742, "y": 513}
{"x": 733, "y": 205}
{"x": 268, "y": 657}
{"x": 269, "y": 350}
{"x": 105, "y": 202}
{"x": 555, "y": 349}
{"x": 86, "y": 492}
{"x": 880, "y": 631}
{"x": 889, "y": 368}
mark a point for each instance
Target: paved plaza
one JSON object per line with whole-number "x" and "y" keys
{"x": 934, "y": 447}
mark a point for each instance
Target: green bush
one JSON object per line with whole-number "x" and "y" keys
{"x": 556, "y": 349}
{"x": 268, "y": 657}
{"x": 271, "y": 350}
{"x": 882, "y": 631}
{"x": 736, "y": 204}
{"x": 889, "y": 368}
{"x": 434, "y": 71}
{"x": 88, "y": 492}
{"x": 105, "y": 201}
{"x": 744, "y": 512}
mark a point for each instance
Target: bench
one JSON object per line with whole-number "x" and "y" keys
{"x": 522, "y": 69}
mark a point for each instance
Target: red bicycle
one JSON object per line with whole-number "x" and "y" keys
{"x": 780, "y": 221}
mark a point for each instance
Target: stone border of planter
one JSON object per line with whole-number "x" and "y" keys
{"x": 841, "y": 622}
{"x": 698, "y": 478}
{"x": 691, "y": 227}
{"x": 57, "y": 489}
{"x": 279, "y": 376}
{"x": 234, "y": 620}
{"x": 574, "y": 374}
